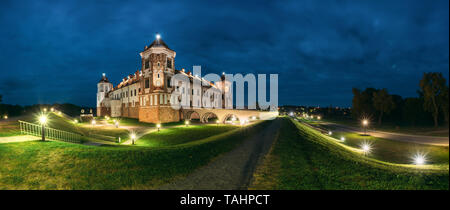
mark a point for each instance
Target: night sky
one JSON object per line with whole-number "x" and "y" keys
{"x": 56, "y": 51}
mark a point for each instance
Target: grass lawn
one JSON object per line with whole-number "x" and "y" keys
{"x": 389, "y": 150}
{"x": 59, "y": 165}
{"x": 66, "y": 124}
{"x": 395, "y": 151}
{"x": 390, "y": 127}
{"x": 135, "y": 122}
{"x": 9, "y": 129}
{"x": 302, "y": 158}
{"x": 180, "y": 135}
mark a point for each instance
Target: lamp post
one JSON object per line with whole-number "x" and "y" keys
{"x": 217, "y": 122}
{"x": 187, "y": 123}
{"x": 133, "y": 138}
{"x": 43, "y": 120}
{"x": 158, "y": 126}
{"x": 365, "y": 123}
{"x": 117, "y": 124}
{"x": 93, "y": 123}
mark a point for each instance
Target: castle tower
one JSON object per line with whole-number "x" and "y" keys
{"x": 103, "y": 87}
{"x": 158, "y": 67}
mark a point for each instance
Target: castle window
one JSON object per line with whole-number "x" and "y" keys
{"x": 147, "y": 64}
{"x": 147, "y": 83}
{"x": 158, "y": 75}
{"x": 135, "y": 92}
{"x": 169, "y": 63}
{"x": 168, "y": 82}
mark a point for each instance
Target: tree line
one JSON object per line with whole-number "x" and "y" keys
{"x": 431, "y": 106}
{"x": 17, "y": 110}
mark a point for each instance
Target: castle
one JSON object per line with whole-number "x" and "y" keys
{"x": 145, "y": 95}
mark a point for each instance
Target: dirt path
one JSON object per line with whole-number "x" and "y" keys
{"x": 233, "y": 170}
{"x": 18, "y": 139}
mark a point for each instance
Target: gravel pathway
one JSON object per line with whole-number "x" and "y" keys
{"x": 232, "y": 170}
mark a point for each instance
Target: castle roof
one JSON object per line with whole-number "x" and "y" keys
{"x": 159, "y": 43}
{"x": 104, "y": 79}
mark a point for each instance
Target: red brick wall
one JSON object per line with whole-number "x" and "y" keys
{"x": 130, "y": 112}
{"x": 159, "y": 115}
{"x": 103, "y": 111}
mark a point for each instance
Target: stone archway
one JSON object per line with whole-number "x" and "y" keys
{"x": 192, "y": 115}
{"x": 209, "y": 116}
{"x": 230, "y": 118}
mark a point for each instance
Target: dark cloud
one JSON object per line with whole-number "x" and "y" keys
{"x": 55, "y": 51}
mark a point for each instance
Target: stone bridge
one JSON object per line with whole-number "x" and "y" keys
{"x": 222, "y": 115}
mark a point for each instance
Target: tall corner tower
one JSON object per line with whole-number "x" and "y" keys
{"x": 158, "y": 67}
{"x": 103, "y": 87}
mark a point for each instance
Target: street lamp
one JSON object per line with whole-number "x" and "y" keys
{"x": 5, "y": 117}
{"x": 319, "y": 117}
{"x": 419, "y": 159}
{"x": 43, "y": 121}
{"x": 117, "y": 124}
{"x": 158, "y": 126}
{"x": 187, "y": 123}
{"x": 366, "y": 147}
{"x": 93, "y": 123}
{"x": 133, "y": 138}
{"x": 52, "y": 109}
{"x": 365, "y": 123}
{"x": 217, "y": 122}
{"x": 75, "y": 121}
{"x": 342, "y": 138}
{"x": 330, "y": 133}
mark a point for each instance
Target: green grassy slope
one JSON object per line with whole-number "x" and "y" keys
{"x": 395, "y": 151}
{"x": 180, "y": 135}
{"x": 61, "y": 122}
{"x": 57, "y": 165}
{"x": 302, "y": 158}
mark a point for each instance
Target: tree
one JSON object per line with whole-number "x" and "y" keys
{"x": 412, "y": 110}
{"x": 432, "y": 85}
{"x": 383, "y": 103}
{"x": 443, "y": 102}
{"x": 0, "y": 98}
{"x": 362, "y": 104}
